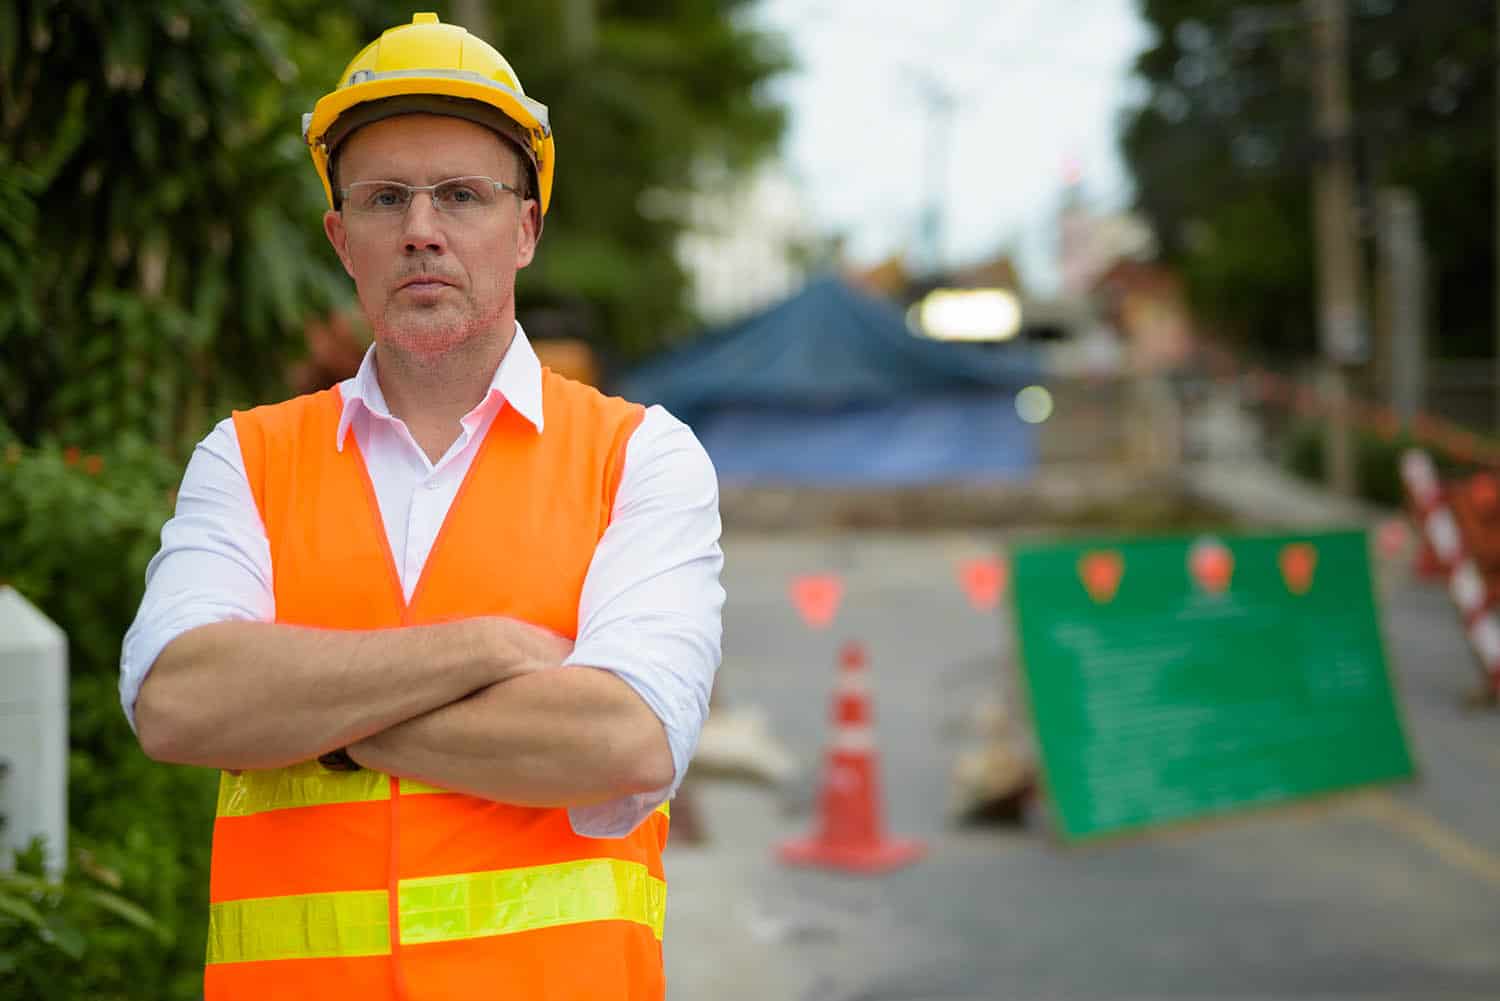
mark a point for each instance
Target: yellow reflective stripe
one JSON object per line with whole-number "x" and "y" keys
{"x": 308, "y": 926}
{"x": 436, "y": 909}
{"x": 310, "y": 784}
{"x": 476, "y": 904}
{"x": 411, "y": 787}
{"x": 665, "y": 809}
{"x": 304, "y": 784}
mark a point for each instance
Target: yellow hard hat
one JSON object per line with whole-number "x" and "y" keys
{"x": 436, "y": 68}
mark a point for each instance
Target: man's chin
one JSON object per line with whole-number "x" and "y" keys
{"x": 429, "y": 337}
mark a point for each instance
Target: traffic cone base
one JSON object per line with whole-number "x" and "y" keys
{"x": 881, "y": 856}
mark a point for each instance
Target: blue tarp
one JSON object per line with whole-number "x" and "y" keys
{"x": 830, "y": 387}
{"x": 937, "y": 439}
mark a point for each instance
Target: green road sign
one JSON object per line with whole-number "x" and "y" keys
{"x": 1179, "y": 678}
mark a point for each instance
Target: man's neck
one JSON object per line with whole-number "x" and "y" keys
{"x": 432, "y": 395}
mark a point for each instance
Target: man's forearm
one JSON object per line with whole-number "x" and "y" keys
{"x": 565, "y": 737}
{"x": 260, "y": 695}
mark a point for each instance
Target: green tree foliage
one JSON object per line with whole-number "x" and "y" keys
{"x": 158, "y": 253}
{"x": 65, "y": 939}
{"x": 1222, "y": 149}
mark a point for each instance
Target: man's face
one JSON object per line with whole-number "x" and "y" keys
{"x": 429, "y": 281}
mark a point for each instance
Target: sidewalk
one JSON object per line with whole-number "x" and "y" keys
{"x": 1260, "y": 494}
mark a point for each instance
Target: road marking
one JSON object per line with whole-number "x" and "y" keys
{"x": 1448, "y": 845}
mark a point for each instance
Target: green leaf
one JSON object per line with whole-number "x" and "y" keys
{"x": 65, "y": 936}
{"x": 21, "y": 910}
{"x": 130, "y": 912}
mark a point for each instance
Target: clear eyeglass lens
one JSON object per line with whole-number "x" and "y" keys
{"x": 465, "y": 193}
{"x": 374, "y": 196}
{"x": 460, "y": 194}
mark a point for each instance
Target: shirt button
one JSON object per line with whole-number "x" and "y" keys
{"x": 431, "y": 484}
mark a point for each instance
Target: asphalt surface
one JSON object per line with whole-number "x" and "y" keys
{"x": 1385, "y": 894}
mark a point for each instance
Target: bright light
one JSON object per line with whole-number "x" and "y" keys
{"x": 1034, "y": 404}
{"x": 977, "y": 314}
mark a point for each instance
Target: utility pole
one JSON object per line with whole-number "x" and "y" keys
{"x": 1403, "y": 298}
{"x": 938, "y": 102}
{"x": 1341, "y": 321}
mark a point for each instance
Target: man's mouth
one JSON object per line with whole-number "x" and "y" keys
{"x": 424, "y": 283}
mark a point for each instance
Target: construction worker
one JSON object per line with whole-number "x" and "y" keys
{"x": 449, "y": 628}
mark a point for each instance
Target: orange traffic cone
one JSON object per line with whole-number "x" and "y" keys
{"x": 851, "y": 831}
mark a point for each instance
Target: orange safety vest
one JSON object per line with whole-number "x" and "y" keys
{"x": 358, "y": 885}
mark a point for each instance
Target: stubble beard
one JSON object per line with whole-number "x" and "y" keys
{"x": 446, "y": 338}
{"x": 426, "y": 332}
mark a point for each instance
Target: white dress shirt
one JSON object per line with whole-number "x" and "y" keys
{"x": 651, "y": 602}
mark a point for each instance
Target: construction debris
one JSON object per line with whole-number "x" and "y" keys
{"x": 738, "y": 744}
{"x": 994, "y": 782}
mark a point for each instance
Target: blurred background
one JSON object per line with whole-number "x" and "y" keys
{"x": 929, "y": 283}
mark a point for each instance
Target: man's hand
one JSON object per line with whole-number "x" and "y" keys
{"x": 538, "y": 738}
{"x": 542, "y": 648}
{"x": 572, "y": 737}
{"x": 528, "y": 647}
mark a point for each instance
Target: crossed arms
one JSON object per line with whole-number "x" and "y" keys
{"x": 481, "y": 706}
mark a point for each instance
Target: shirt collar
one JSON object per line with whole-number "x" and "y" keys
{"x": 517, "y": 381}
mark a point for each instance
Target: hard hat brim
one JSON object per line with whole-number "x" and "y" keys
{"x": 534, "y": 131}
{"x": 486, "y": 115}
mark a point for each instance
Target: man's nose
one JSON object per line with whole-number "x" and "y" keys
{"x": 422, "y": 224}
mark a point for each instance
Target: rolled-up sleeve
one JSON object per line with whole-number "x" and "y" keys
{"x": 214, "y": 564}
{"x": 652, "y": 603}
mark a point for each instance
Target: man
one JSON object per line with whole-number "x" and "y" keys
{"x": 449, "y": 629}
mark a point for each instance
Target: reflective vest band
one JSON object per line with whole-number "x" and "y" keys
{"x": 477, "y": 904}
{"x": 436, "y": 909}
{"x": 305, "y": 784}
{"x": 310, "y": 784}
{"x": 311, "y": 926}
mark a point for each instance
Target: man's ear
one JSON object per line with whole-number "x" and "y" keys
{"x": 529, "y": 232}
{"x": 333, "y": 225}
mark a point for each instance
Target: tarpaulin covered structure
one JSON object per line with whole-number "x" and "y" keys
{"x": 830, "y": 387}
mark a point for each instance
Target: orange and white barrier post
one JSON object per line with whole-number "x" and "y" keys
{"x": 1466, "y": 584}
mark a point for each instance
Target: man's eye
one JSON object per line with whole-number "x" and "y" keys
{"x": 459, "y": 195}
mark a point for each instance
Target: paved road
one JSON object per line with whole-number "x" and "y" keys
{"x": 1383, "y": 895}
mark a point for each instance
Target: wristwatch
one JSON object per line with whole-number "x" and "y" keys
{"x": 338, "y": 761}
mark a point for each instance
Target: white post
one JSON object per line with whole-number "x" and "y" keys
{"x": 33, "y": 731}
